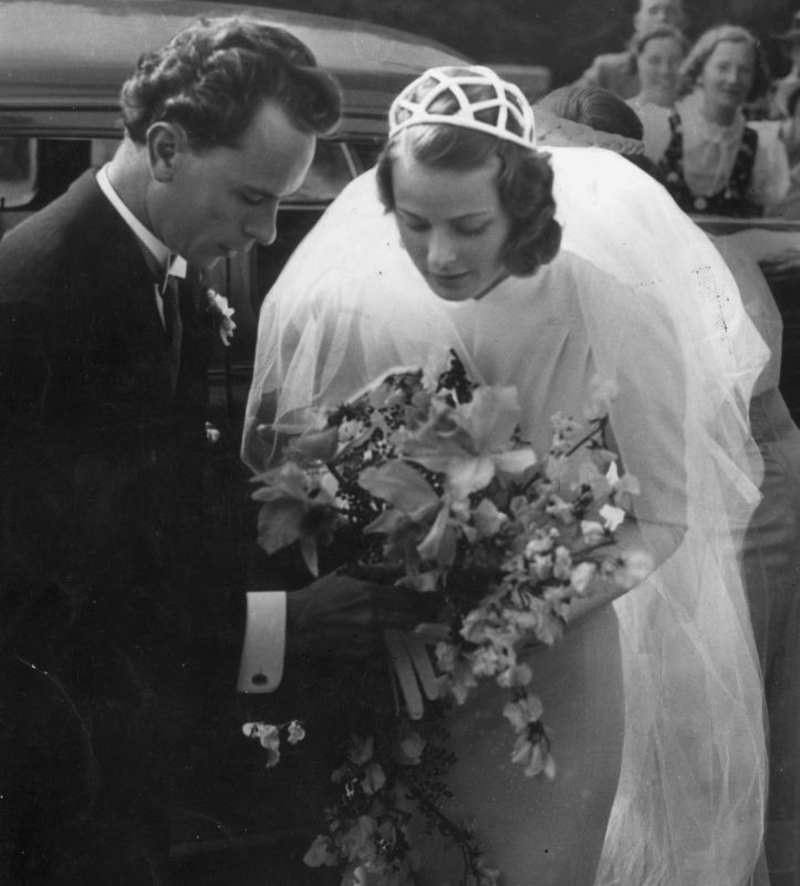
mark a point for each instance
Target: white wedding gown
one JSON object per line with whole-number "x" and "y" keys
{"x": 661, "y": 784}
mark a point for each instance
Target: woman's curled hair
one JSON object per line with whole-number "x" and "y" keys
{"x": 524, "y": 185}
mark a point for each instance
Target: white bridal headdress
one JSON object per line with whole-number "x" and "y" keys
{"x": 478, "y": 99}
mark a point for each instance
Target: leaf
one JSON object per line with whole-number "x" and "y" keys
{"x": 400, "y": 485}
{"x": 308, "y": 548}
{"x": 471, "y": 474}
{"x": 279, "y": 523}
{"x": 492, "y": 416}
{"x": 439, "y": 545}
{"x": 315, "y": 445}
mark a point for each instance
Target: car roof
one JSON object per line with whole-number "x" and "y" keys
{"x": 63, "y": 54}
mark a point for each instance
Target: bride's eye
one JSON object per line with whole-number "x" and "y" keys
{"x": 472, "y": 231}
{"x": 414, "y": 224}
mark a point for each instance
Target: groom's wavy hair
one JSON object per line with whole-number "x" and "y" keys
{"x": 524, "y": 184}
{"x": 214, "y": 76}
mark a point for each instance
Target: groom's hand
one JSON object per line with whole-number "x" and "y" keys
{"x": 339, "y": 615}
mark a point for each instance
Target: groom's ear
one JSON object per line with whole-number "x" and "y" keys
{"x": 165, "y": 142}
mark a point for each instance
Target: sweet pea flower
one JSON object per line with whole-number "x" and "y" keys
{"x": 636, "y": 566}
{"x": 603, "y": 392}
{"x": 523, "y": 712}
{"x": 357, "y": 843}
{"x": 296, "y": 732}
{"x": 612, "y": 517}
{"x": 374, "y": 779}
{"x": 269, "y": 739}
{"x": 411, "y": 748}
{"x": 592, "y": 532}
{"x": 581, "y": 576}
{"x": 320, "y": 853}
{"x": 488, "y": 519}
{"x": 534, "y": 757}
{"x": 219, "y": 304}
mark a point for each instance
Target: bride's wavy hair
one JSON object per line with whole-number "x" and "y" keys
{"x": 215, "y": 75}
{"x": 524, "y": 185}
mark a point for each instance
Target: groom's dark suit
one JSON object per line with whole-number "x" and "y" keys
{"x": 103, "y": 624}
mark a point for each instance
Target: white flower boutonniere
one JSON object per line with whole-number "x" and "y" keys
{"x": 219, "y": 305}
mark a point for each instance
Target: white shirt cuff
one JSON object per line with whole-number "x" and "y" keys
{"x": 261, "y": 668}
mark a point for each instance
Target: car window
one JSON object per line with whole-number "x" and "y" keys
{"x": 103, "y": 150}
{"x": 17, "y": 171}
{"x": 331, "y": 170}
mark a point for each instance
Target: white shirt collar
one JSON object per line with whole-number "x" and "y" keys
{"x": 177, "y": 266}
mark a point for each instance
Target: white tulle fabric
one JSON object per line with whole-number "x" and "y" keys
{"x": 636, "y": 294}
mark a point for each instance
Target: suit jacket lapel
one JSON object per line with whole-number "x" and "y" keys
{"x": 119, "y": 260}
{"x": 131, "y": 288}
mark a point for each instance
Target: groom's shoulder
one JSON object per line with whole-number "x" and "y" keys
{"x": 54, "y": 242}
{"x": 66, "y": 220}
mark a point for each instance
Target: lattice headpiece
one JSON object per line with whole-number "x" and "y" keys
{"x": 470, "y": 97}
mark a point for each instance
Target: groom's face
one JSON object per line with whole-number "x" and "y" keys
{"x": 210, "y": 204}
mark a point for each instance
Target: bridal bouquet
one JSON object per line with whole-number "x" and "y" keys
{"x": 425, "y": 474}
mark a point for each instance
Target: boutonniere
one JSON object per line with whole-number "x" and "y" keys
{"x": 218, "y": 305}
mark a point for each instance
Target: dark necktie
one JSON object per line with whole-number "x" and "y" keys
{"x": 173, "y": 327}
{"x": 167, "y": 287}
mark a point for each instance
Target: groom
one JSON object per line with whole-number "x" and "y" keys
{"x": 110, "y": 640}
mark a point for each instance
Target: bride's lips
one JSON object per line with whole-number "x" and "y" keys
{"x": 448, "y": 281}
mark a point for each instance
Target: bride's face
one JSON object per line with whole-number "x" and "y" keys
{"x": 452, "y": 225}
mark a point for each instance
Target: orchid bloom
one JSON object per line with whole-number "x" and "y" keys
{"x": 414, "y": 506}
{"x": 469, "y": 444}
{"x": 294, "y": 510}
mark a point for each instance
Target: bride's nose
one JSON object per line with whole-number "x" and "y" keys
{"x": 442, "y": 249}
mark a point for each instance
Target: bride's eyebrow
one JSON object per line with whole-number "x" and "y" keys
{"x": 476, "y": 215}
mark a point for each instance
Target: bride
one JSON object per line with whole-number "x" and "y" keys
{"x": 544, "y": 271}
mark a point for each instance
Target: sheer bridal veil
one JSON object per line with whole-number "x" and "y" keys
{"x": 350, "y": 305}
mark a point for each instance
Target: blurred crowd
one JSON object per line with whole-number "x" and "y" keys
{"x": 720, "y": 131}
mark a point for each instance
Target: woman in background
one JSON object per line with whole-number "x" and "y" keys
{"x": 659, "y": 54}
{"x": 712, "y": 160}
{"x": 789, "y": 130}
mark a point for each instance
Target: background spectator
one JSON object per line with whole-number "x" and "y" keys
{"x": 789, "y": 130}
{"x": 659, "y": 54}
{"x": 616, "y": 125}
{"x": 790, "y": 40}
{"x": 713, "y": 160}
{"x": 617, "y": 71}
